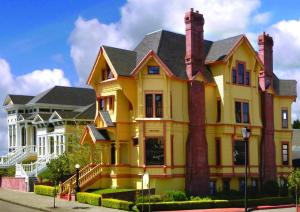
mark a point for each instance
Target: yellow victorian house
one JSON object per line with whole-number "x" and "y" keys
{"x": 174, "y": 107}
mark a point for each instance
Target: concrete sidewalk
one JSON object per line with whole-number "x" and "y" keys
{"x": 45, "y": 203}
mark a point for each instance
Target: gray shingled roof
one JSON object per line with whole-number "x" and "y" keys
{"x": 67, "y": 114}
{"x": 106, "y": 117}
{"x": 219, "y": 49}
{"x": 124, "y": 61}
{"x": 170, "y": 48}
{"x": 99, "y": 134}
{"x": 61, "y": 95}
{"x": 285, "y": 87}
{"x": 88, "y": 113}
{"x": 20, "y": 99}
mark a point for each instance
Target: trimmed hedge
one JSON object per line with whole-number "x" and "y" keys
{"x": 45, "y": 190}
{"x": 88, "y": 198}
{"x": 117, "y": 204}
{"x": 203, "y": 204}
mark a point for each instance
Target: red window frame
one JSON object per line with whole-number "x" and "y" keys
{"x": 242, "y": 111}
{"x": 235, "y": 71}
{"x": 219, "y": 110}
{"x": 218, "y": 151}
{"x": 153, "y": 110}
{"x": 284, "y": 122}
{"x": 287, "y": 153}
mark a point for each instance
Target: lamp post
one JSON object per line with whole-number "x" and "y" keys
{"x": 246, "y": 135}
{"x": 77, "y": 188}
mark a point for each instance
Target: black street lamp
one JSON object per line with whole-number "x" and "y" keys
{"x": 77, "y": 188}
{"x": 246, "y": 135}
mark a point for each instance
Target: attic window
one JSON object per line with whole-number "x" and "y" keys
{"x": 153, "y": 69}
{"x": 107, "y": 73}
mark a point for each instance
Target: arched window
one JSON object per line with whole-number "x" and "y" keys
{"x": 23, "y": 136}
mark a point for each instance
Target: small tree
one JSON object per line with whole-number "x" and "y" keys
{"x": 294, "y": 182}
{"x": 58, "y": 168}
{"x": 296, "y": 124}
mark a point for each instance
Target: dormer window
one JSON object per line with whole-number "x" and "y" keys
{"x": 107, "y": 73}
{"x": 153, "y": 69}
{"x": 239, "y": 74}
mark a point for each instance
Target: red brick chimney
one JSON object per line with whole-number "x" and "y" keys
{"x": 268, "y": 163}
{"x": 265, "y": 43}
{"x": 194, "y": 58}
{"x": 197, "y": 169}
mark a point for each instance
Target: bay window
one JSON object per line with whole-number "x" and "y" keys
{"x": 242, "y": 112}
{"x": 154, "y": 151}
{"x": 154, "y": 105}
{"x": 239, "y": 152}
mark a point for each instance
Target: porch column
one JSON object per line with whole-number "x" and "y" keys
{"x": 92, "y": 152}
{"x": 101, "y": 153}
{"x": 107, "y": 154}
{"x": 55, "y": 144}
{"x": 117, "y": 152}
{"x": 27, "y": 137}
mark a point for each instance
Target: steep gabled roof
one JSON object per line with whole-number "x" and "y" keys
{"x": 61, "y": 95}
{"x": 220, "y": 49}
{"x": 123, "y": 60}
{"x": 17, "y": 99}
{"x": 88, "y": 112}
{"x": 170, "y": 48}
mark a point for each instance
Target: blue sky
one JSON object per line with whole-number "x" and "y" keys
{"x": 54, "y": 42}
{"x": 34, "y": 34}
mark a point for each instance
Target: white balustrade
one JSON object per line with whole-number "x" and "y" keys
{"x": 17, "y": 155}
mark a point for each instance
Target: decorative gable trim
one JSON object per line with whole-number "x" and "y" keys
{"x": 37, "y": 119}
{"x": 148, "y": 56}
{"x": 101, "y": 54}
{"x": 55, "y": 116}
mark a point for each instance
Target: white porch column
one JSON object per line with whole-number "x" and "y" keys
{"x": 27, "y": 130}
{"x": 46, "y": 145}
{"x": 54, "y": 144}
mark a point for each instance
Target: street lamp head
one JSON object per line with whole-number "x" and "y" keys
{"x": 246, "y": 132}
{"x": 77, "y": 166}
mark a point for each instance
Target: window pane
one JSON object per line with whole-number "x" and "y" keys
{"x": 285, "y": 154}
{"x": 284, "y": 118}
{"x": 218, "y": 110}
{"x": 241, "y": 73}
{"x": 245, "y": 112}
{"x": 233, "y": 75}
{"x": 238, "y": 112}
{"x": 218, "y": 153}
{"x": 247, "y": 78}
{"x": 154, "y": 151}
{"x": 239, "y": 153}
{"x": 158, "y": 105}
{"x": 153, "y": 69}
{"x": 149, "y": 105}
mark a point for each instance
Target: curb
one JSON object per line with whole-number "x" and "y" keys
{"x": 24, "y": 205}
{"x": 272, "y": 207}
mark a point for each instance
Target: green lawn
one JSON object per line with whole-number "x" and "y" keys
{"x": 108, "y": 190}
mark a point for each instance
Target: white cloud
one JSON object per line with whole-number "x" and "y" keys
{"x": 262, "y": 18}
{"x": 28, "y": 84}
{"x": 286, "y": 36}
{"x": 141, "y": 17}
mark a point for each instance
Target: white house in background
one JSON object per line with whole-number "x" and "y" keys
{"x": 39, "y": 126}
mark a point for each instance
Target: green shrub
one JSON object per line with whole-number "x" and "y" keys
{"x": 175, "y": 196}
{"x": 88, "y": 198}
{"x": 153, "y": 198}
{"x": 203, "y": 204}
{"x": 270, "y": 188}
{"x": 117, "y": 204}
{"x": 199, "y": 198}
{"x": 45, "y": 190}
